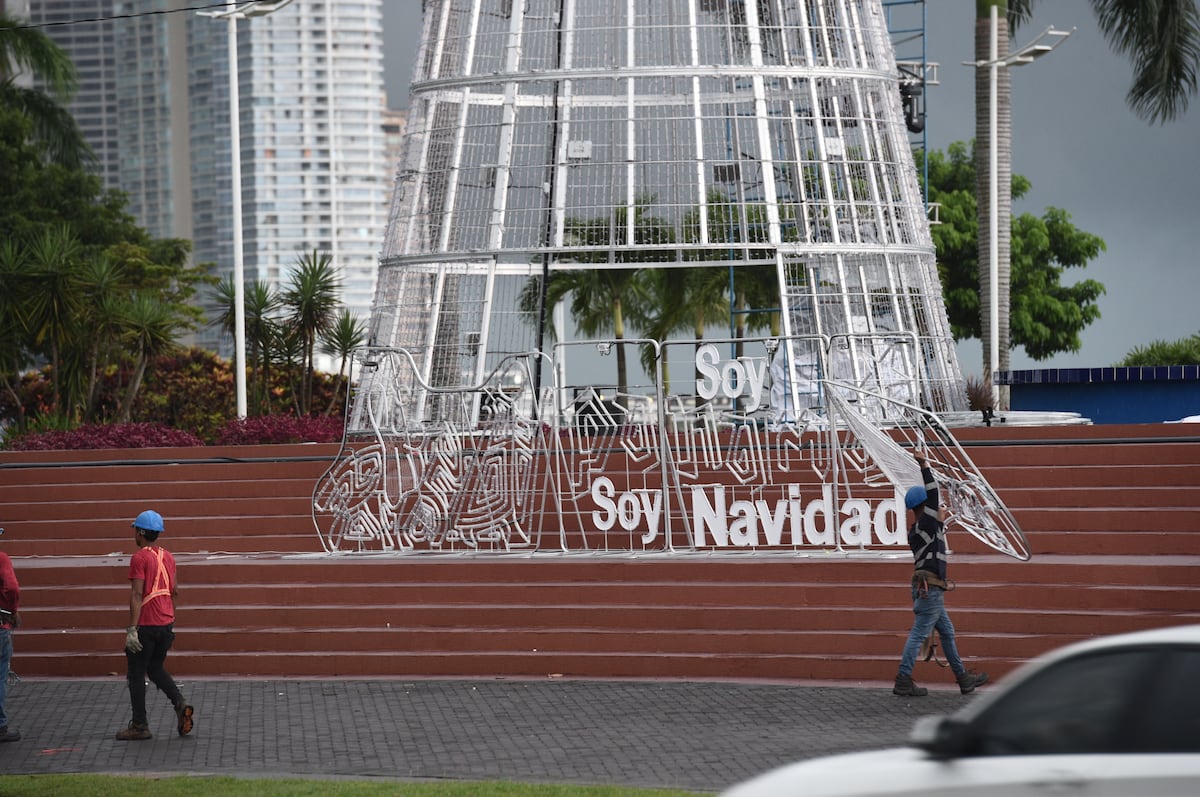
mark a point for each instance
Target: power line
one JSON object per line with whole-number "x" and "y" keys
{"x": 34, "y": 26}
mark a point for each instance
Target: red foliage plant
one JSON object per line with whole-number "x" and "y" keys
{"x": 265, "y": 429}
{"x": 117, "y": 435}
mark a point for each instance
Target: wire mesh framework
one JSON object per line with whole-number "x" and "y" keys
{"x": 555, "y": 135}
{"x": 602, "y": 140}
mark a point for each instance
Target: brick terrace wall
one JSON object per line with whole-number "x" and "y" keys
{"x": 1110, "y": 513}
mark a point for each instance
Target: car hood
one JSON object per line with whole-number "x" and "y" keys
{"x": 895, "y": 770}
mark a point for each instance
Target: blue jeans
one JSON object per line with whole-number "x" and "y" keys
{"x": 5, "y": 659}
{"x": 930, "y": 610}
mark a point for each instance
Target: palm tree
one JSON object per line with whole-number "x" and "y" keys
{"x": 741, "y": 227}
{"x": 54, "y": 300}
{"x": 24, "y": 49}
{"x": 1163, "y": 41}
{"x": 101, "y": 321}
{"x": 13, "y": 330}
{"x": 347, "y": 334}
{"x": 150, "y": 331}
{"x": 311, "y": 297}
{"x": 600, "y": 297}
{"x": 1161, "y": 38}
{"x": 663, "y": 311}
{"x": 285, "y": 354}
{"x": 682, "y": 300}
{"x": 261, "y": 305}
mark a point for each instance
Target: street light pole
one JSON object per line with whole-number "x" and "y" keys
{"x": 993, "y": 213}
{"x": 235, "y": 176}
{"x": 258, "y": 8}
{"x": 1044, "y": 43}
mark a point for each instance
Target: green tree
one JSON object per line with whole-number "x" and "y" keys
{"x": 1047, "y": 316}
{"x": 597, "y": 304}
{"x": 77, "y": 311}
{"x": 311, "y": 300}
{"x": 74, "y": 261}
{"x": 36, "y": 194}
{"x": 707, "y": 300}
{"x": 24, "y": 49}
{"x": 1162, "y": 39}
{"x": 154, "y": 271}
{"x": 285, "y": 364}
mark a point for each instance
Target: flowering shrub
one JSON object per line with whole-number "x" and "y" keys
{"x": 280, "y": 429}
{"x": 189, "y": 389}
{"x": 117, "y": 435}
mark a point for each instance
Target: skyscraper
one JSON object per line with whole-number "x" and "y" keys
{"x": 132, "y": 101}
{"x": 154, "y": 105}
{"x": 314, "y": 173}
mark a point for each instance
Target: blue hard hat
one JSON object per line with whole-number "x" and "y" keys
{"x": 149, "y": 521}
{"x": 915, "y": 497}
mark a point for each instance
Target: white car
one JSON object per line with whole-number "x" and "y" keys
{"x": 1117, "y": 715}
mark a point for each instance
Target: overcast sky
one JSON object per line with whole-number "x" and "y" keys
{"x": 1074, "y": 137}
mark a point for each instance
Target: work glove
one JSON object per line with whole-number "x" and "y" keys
{"x": 132, "y": 643}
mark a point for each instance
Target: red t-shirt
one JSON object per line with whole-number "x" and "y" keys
{"x": 10, "y": 590}
{"x": 156, "y": 568}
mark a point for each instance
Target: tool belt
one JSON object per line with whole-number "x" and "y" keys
{"x": 923, "y": 580}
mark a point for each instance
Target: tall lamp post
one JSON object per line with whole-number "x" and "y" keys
{"x": 257, "y": 8}
{"x": 1046, "y": 41}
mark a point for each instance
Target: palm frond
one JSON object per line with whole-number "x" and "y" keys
{"x": 29, "y": 49}
{"x": 1163, "y": 41}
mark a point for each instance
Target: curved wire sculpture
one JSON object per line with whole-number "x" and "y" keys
{"x": 749, "y": 461}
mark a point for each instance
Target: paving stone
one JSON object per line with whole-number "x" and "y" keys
{"x": 701, "y": 736}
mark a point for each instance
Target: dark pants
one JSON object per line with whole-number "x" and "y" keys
{"x": 156, "y": 641}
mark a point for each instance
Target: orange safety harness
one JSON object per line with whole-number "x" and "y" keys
{"x": 162, "y": 582}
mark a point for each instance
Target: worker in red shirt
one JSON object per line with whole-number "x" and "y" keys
{"x": 10, "y": 620}
{"x": 149, "y": 635}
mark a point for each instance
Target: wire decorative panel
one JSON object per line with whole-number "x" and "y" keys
{"x": 733, "y": 446}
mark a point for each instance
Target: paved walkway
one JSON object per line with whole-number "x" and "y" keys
{"x": 686, "y": 735}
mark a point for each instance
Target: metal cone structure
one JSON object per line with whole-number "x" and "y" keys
{"x": 630, "y": 156}
{"x": 548, "y": 135}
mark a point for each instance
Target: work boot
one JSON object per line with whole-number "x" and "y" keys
{"x": 906, "y": 688}
{"x": 183, "y": 713}
{"x": 134, "y": 733}
{"x": 968, "y": 680}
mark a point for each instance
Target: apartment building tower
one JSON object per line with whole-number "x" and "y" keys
{"x": 154, "y": 103}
